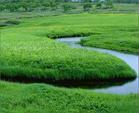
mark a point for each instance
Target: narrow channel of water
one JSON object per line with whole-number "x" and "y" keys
{"x": 131, "y": 60}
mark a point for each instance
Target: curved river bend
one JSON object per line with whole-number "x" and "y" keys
{"x": 131, "y": 60}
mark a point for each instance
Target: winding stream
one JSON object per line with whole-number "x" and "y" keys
{"x": 131, "y": 60}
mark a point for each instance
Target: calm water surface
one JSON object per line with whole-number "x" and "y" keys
{"x": 131, "y": 60}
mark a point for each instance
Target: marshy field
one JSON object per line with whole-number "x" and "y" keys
{"x": 40, "y": 58}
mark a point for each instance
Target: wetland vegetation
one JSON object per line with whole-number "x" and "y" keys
{"x": 29, "y": 51}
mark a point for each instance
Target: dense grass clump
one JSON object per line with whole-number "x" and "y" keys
{"x": 40, "y": 98}
{"x": 27, "y": 52}
{"x": 43, "y": 58}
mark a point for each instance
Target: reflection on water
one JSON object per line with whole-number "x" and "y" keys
{"x": 131, "y": 60}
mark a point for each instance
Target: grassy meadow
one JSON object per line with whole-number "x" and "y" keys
{"x": 76, "y": 8}
{"x": 126, "y": 41}
{"x": 42, "y": 98}
{"x": 29, "y": 51}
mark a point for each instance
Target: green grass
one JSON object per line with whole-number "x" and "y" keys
{"x": 118, "y": 8}
{"x": 40, "y": 98}
{"x": 126, "y": 7}
{"x": 126, "y": 41}
{"x": 26, "y": 50}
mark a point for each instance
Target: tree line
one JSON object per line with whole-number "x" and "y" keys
{"x": 30, "y": 5}
{"x": 126, "y": 1}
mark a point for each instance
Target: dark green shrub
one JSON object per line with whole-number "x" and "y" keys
{"x": 108, "y": 4}
{"x": 98, "y": 5}
{"x": 66, "y": 7}
{"x": 87, "y": 7}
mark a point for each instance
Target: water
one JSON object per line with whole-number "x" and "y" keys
{"x": 131, "y": 60}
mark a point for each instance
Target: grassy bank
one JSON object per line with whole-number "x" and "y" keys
{"x": 40, "y": 98}
{"x": 126, "y": 41}
{"x": 26, "y": 50}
